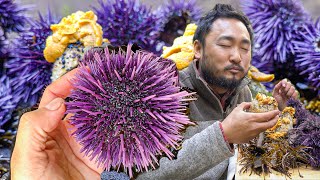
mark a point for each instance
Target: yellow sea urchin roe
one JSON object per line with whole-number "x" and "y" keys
{"x": 181, "y": 52}
{"x": 190, "y": 30}
{"x": 258, "y": 76}
{"x": 79, "y": 26}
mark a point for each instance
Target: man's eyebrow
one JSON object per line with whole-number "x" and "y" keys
{"x": 246, "y": 41}
{"x": 230, "y": 38}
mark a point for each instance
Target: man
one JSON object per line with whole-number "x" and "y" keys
{"x": 223, "y": 49}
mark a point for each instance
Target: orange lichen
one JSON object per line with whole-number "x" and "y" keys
{"x": 283, "y": 125}
{"x": 263, "y": 103}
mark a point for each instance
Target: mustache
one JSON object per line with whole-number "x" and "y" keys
{"x": 234, "y": 66}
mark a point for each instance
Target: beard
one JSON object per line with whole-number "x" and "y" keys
{"x": 221, "y": 81}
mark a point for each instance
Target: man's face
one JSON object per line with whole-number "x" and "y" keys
{"x": 225, "y": 59}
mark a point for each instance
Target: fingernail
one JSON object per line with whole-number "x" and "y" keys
{"x": 54, "y": 104}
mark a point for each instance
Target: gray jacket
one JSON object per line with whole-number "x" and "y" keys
{"x": 204, "y": 153}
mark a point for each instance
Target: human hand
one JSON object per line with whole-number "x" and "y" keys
{"x": 44, "y": 148}
{"x": 240, "y": 126}
{"x": 282, "y": 92}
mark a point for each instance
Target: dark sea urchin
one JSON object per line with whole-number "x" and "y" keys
{"x": 128, "y": 109}
{"x": 174, "y": 16}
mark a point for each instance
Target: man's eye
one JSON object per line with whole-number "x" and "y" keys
{"x": 245, "y": 49}
{"x": 224, "y": 45}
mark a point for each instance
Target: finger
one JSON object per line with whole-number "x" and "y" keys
{"x": 34, "y": 126}
{"x": 277, "y": 87}
{"x": 47, "y": 117}
{"x": 295, "y": 94}
{"x": 60, "y": 88}
{"x": 284, "y": 83}
{"x": 265, "y": 116}
{"x": 269, "y": 124}
{"x": 291, "y": 91}
{"x": 244, "y": 105}
{"x": 286, "y": 87}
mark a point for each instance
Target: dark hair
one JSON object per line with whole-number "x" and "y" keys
{"x": 220, "y": 11}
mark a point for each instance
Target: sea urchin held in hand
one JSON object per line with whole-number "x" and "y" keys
{"x": 127, "y": 109}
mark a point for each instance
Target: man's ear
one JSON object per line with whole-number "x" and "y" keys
{"x": 197, "y": 49}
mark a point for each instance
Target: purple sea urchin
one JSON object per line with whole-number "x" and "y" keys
{"x": 275, "y": 24}
{"x": 4, "y": 53}
{"x": 127, "y": 109}
{"x": 127, "y": 21}
{"x": 174, "y": 16}
{"x": 7, "y": 103}
{"x": 29, "y": 71}
{"x": 307, "y": 132}
{"x": 308, "y": 53}
{"x": 12, "y": 19}
{"x": 12, "y": 16}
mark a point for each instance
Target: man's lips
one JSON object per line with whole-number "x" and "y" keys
{"x": 234, "y": 69}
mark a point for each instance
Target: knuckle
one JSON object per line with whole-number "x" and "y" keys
{"x": 26, "y": 118}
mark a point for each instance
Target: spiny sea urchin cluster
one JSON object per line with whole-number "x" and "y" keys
{"x": 12, "y": 19}
{"x": 12, "y": 16}
{"x": 127, "y": 109}
{"x": 127, "y": 21}
{"x": 29, "y": 71}
{"x": 308, "y": 53}
{"x": 275, "y": 24}
{"x": 306, "y": 132}
{"x": 273, "y": 149}
{"x": 7, "y": 103}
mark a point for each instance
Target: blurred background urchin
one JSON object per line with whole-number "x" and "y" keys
{"x": 308, "y": 53}
{"x": 29, "y": 71}
{"x": 13, "y": 19}
{"x": 7, "y": 101}
{"x": 174, "y": 16}
{"x": 127, "y": 21}
{"x": 275, "y": 24}
{"x": 127, "y": 109}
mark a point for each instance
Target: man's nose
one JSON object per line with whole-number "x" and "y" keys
{"x": 235, "y": 56}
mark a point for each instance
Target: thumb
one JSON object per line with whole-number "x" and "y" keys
{"x": 32, "y": 135}
{"x": 46, "y": 118}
